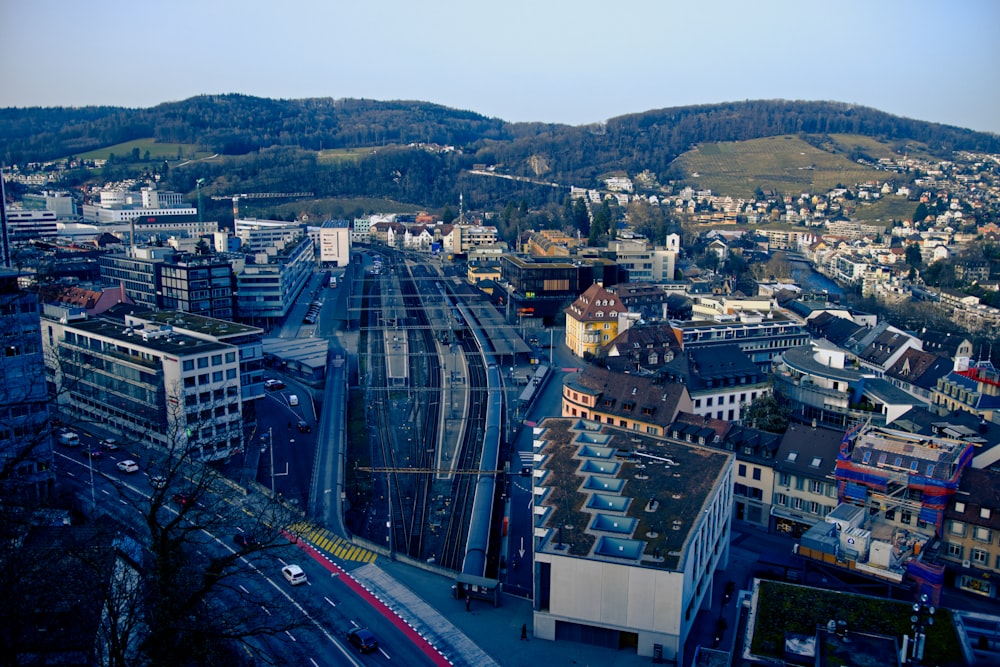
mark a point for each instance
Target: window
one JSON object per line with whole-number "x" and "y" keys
{"x": 784, "y": 479}
{"x": 756, "y": 474}
{"x": 817, "y": 460}
{"x": 230, "y": 373}
{"x": 905, "y": 516}
{"x": 814, "y": 508}
{"x": 217, "y": 376}
{"x": 882, "y": 458}
{"x": 959, "y": 507}
{"x": 188, "y": 364}
{"x": 979, "y": 556}
{"x": 742, "y": 470}
{"x": 955, "y": 550}
{"x": 956, "y": 528}
{"x": 982, "y": 534}
{"x": 780, "y": 499}
{"x": 216, "y": 359}
{"x": 708, "y": 402}
{"x": 867, "y": 456}
{"x": 984, "y": 512}
{"x": 792, "y": 456}
{"x": 816, "y": 486}
{"x": 202, "y": 362}
{"x": 697, "y": 402}
{"x": 797, "y": 503}
{"x": 800, "y": 483}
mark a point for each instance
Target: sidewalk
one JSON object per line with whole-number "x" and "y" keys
{"x": 468, "y": 637}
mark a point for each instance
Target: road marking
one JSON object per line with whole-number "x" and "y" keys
{"x": 290, "y": 636}
{"x": 70, "y": 474}
{"x": 332, "y": 603}
{"x": 105, "y": 492}
{"x": 266, "y": 611}
{"x": 243, "y": 588}
{"x": 314, "y": 662}
{"x": 382, "y": 651}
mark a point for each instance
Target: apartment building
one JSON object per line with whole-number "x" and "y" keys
{"x": 971, "y": 536}
{"x": 149, "y": 383}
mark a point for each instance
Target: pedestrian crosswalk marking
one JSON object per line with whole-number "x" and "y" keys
{"x": 323, "y": 539}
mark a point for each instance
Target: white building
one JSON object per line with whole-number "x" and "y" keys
{"x": 334, "y": 243}
{"x": 149, "y": 383}
{"x": 626, "y": 549}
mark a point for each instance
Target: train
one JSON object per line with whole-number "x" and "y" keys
{"x": 481, "y": 518}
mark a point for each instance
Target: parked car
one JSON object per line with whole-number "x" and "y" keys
{"x": 273, "y": 385}
{"x": 158, "y": 481}
{"x": 128, "y": 465}
{"x": 362, "y": 639}
{"x": 182, "y": 499}
{"x": 294, "y": 574}
{"x": 304, "y": 426}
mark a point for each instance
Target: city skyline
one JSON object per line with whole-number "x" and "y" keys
{"x": 576, "y": 63}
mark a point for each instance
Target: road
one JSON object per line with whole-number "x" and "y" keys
{"x": 323, "y": 610}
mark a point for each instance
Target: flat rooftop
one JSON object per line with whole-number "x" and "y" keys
{"x": 608, "y": 493}
{"x": 162, "y": 341}
{"x": 198, "y": 323}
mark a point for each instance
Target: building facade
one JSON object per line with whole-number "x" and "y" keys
{"x": 592, "y": 321}
{"x": 149, "y": 383}
{"x": 25, "y": 437}
{"x": 626, "y": 549}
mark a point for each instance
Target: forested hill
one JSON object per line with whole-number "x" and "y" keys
{"x": 273, "y": 143}
{"x": 239, "y": 124}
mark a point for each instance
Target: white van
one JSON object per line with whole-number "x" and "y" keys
{"x": 69, "y": 438}
{"x": 293, "y": 400}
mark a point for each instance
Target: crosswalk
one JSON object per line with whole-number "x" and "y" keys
{"x": 336, "y": 546}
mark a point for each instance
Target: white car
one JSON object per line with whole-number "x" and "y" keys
{"x": 128, "y": 466}
{"x": 110, "y": 444}
{"x": 294, "y": 574}
{"x": 158, "y": 481}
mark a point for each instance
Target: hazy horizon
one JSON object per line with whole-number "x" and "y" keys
{"x": 572, "y": 63}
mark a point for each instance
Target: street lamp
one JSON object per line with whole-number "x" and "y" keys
{"x": 923, "y": 615}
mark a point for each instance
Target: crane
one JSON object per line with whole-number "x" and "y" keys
{"x": 258, "y": 195}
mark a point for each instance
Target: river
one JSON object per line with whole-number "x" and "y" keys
{"x": 811, "y": 280}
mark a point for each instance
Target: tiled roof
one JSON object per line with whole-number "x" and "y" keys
{"x": 630, "y": 396}
{"x": 919, "y": 368}
{"x": 596, "y": 304}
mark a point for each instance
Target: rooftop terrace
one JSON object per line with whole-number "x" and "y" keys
{"x": 608, "y": 493}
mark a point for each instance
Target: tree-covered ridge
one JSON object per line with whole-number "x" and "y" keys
{"x": 238, "y": 124}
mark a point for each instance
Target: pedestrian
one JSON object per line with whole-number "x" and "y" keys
{"x": 524, "y": 632}
{"x": 468, "y": 603}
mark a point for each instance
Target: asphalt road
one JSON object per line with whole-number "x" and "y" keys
{"x": 322, "y": 610}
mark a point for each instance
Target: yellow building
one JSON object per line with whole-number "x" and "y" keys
{"x": 592, "y": 320}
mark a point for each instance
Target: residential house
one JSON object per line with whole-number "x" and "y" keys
{"x": 917, "y": 372}
{"x": 805, "y": 489}
{"x": 593, "y": 320}
{"x": 633, "y": 402}
{"x": 721, "y": 380}
{"x": 970, "y": 541}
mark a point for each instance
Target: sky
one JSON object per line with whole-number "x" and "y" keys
{"x": 558, "y": 61}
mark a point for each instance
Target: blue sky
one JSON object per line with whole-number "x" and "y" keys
{"x": 572, "y": 62}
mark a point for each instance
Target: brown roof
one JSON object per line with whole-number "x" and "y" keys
{"x": 633, "y": 397}
{"x": 596, "y": 304}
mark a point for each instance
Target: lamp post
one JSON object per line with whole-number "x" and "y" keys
{"x": 923, "y": 616}
{"x": 270, "y": 446}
